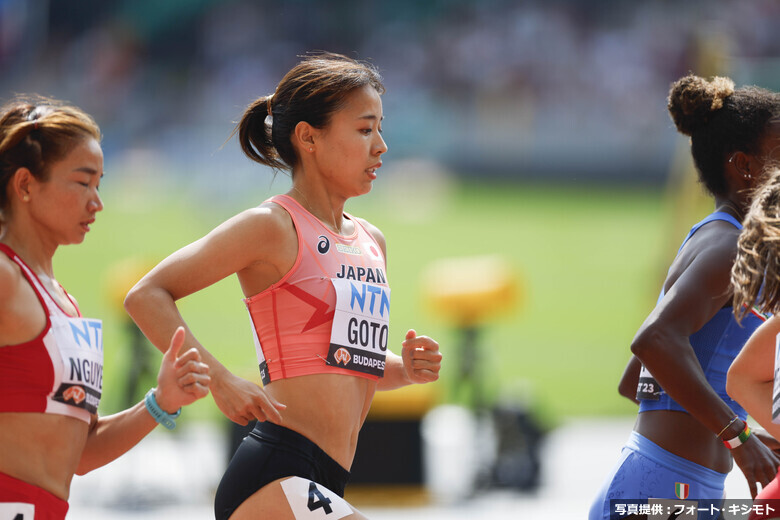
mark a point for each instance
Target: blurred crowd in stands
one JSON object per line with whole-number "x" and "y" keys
{"x": 508, "y": 87}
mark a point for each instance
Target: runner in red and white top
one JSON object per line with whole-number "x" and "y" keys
{"x": 51, "y": 357}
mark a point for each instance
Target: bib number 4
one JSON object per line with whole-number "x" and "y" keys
{"x": 311, "y": 501}
{"x": 317, "y": 500}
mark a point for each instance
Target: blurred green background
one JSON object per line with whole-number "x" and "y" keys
{"x": 587, "y": 263}
{"x": 533, "y": 130}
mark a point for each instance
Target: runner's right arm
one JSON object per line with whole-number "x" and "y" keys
{"x": 243, "y": 242}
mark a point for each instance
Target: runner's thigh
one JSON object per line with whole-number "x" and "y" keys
{"x": 295, "y": 498}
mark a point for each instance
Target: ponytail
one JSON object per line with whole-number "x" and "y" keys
{"x": 311, "y": 91}
{"x": 255, "y": 133}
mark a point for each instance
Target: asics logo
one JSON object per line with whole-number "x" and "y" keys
{"x": 323, "y": 246}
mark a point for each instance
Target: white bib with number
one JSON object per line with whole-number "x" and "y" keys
{"x": 361, "y": 322}
{"x": 311, "y": 501}
{"x": 80, "y": 345}
{"x": 648, "y": 387}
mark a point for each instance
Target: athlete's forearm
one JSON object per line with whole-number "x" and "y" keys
{"x": 114, "y": 435}
{"x": 155, "y": 312}
{"x": 395, "y": 375}
{"x": 756, "y": 399}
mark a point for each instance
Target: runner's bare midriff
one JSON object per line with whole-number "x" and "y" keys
{"x": 52, "y": 468}
{"x": 681, "y": 434}
{"x": 328, "y": 409}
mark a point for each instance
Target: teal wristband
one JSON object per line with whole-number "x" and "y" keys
{"x": 166, "y": 419}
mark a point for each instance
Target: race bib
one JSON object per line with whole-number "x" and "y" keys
{"x": 17, "y": 511}
{"x": 311, "y": 501}
{"x": 647, "y": 388}
{"x": 358, "y": 339}
{"x": 80, "y": 343}
{"x": 262, "y": 364}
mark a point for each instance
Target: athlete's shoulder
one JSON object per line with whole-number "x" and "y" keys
{"x": 267, "y": 219}
{"x": 706, "y": 261}
{"x": 706, "y": 257}
{"x": 10, "y": 278}
{"x": 9, "y": 274}
{"x": 255, "y": 234}
{"x": 269, "y": 212}
{"x": 716, "y": 238}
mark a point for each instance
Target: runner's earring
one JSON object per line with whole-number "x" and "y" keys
{"x": 26, "y": 198}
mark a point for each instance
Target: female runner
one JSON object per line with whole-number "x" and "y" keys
{"x": 316, "y": 287}
{"x": 51, "y": 357}
{"x": 688, "y": 429}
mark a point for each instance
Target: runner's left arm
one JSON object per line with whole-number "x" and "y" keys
{"x": 419, "y": 362}
{"x": 420, "y": 359}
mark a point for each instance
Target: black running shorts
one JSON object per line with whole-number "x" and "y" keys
{"x": 271, "y": 452}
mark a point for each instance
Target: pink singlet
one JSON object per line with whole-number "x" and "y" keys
{"x": 331, "y": 312}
